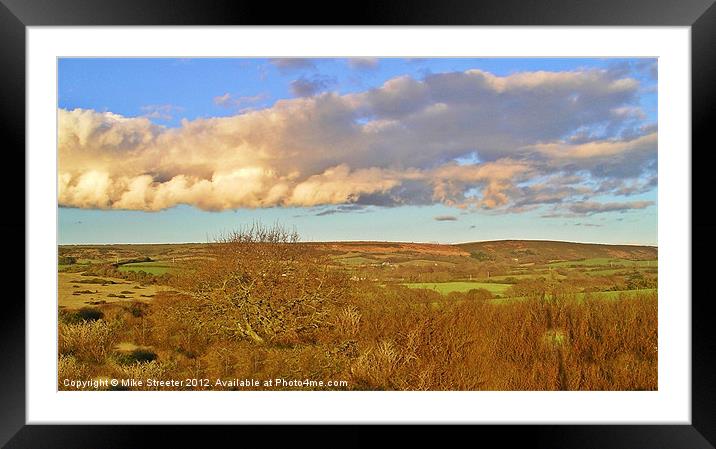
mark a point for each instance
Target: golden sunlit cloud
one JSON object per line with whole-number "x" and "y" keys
{"x": 394, "y": 145}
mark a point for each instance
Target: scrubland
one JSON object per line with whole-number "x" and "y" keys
{"x": 259, "y": 304}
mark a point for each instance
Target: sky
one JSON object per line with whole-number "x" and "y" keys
{"x": 425, "y": 150}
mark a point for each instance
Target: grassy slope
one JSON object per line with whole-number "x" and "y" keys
{"x": 156, "y": 268}
{"x": 543, "y": 251}
{"x": 448, "y": 287}
{"x": 74, "y": 292}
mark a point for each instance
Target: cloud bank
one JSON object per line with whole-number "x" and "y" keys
{"x": 531, "y": 139}
{"x": 308, "y": 87}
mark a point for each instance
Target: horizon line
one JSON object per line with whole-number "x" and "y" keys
{"x": 378, "y": 241}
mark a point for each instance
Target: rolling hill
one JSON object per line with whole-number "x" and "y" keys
{"x": 545, "y": 251}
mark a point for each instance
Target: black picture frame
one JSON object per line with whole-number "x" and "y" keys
{"x": 700, "y": 15}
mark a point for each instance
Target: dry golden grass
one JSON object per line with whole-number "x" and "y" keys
{"x": 535, "y": 344}
{"x": 69, "y": 368}
{"x": 264, "y": 307}
{"x": 88, "y": 341}
{"x": 70, "y": 284}
{"x": 384, "y": 343}
{"x": 347, "y": 322}
{"x": 140, "y": 371}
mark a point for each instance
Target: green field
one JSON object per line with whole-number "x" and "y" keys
{"x": 448, "y": 287}
{"x": 540, "y": 275}
{"x": 425, "y": 263}
{"x": 605, "y": 262}
{"x": 357, "y": 260}
{"x": 607, "y": 272}
{"x": 155, "y": 268}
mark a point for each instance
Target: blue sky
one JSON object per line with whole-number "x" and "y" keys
{"x": 433, "y": 150}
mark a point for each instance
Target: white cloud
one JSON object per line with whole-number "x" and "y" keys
{"x": 363, "y": 63}
{"x": 229, "y": 101}
{"x": 160, "y": 111}
{"x": 590, "y": 207}
{"x": 395, "y": 144}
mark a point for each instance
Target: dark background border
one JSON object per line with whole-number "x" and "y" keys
{"x": 15, "y": 15}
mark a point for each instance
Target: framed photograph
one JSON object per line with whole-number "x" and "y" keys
{"x": 485, "y": 219}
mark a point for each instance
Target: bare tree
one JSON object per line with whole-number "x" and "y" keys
{"x": 261, "y": 284}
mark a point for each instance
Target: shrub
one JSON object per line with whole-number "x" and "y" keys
{"x": 347, "y": 322}
{"x": 136, "y": 356}
{"x": 137, "y": 309}
{"x": 376, "y": 365}
{"x": 481, "y": 255}
{"x": 81, "y": 315}
{"x": 66, "y": 260}
{"x": 478, "y": 294}
{"x": 87, "y": 340}
{"x": 262, "y": 285}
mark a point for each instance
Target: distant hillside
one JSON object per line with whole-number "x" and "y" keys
{"x": 507, "y": 251}
{"x": 436, "y": 249}
{"x": 527, "y": 251}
